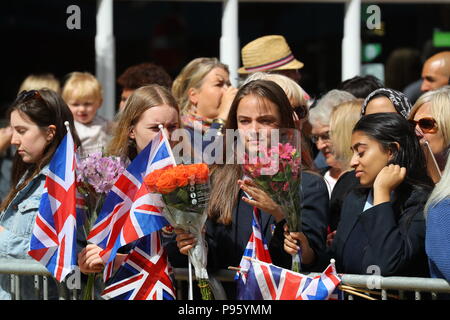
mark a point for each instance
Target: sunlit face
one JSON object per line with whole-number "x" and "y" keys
{"x": 147, "y": 126}
{"x": 433, "y": 76}
{"x": 321, "y": 137}
{"x": 379, "y": 105}
{"x": 208, "y": 97}
{"x": 123, "y": 97}
{"x": 29, "y": 138}
{"x": 368, "y": 159}
{"x": 436, "y": 139}
{"x": 256, "y": 116}
{"x": 84, "y": 110}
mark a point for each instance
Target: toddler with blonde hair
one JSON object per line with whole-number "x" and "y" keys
{"x": 84, "y": 95}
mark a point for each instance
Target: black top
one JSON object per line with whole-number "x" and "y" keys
{"x": 346, "y": 183}
{"x": 395, "y": 235}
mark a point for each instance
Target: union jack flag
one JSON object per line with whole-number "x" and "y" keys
{"x": 53, "y": 242}
{"x": 266, "y": 281}
{"x": 256, "y": 248}
{"x": 323, "y": 287}
{"x": 129, "y": 211}
{"x": 144, "y": 275}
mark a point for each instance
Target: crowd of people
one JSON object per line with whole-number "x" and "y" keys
{"x": 375, "y": 171}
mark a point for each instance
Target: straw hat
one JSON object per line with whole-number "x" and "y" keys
{"x": 268, "y": 53}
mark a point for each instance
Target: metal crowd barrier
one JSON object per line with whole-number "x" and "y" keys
{"x": 370, "y": 286}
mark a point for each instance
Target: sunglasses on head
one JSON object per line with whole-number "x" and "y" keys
{"x": 427, "y": 124}
{"x": 25, "y": 95}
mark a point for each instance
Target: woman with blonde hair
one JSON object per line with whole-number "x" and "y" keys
{"x": 431, "y": 117}
{"x": 343, "y": 119}
{"x": 204, "y": 94}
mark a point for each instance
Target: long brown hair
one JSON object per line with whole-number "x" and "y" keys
{"x": 137, "y": 103}
{"x": 224, "y": 178}
{"x": 44, "y": 107}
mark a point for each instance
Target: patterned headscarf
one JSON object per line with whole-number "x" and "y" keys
{"x": 398, "y": 99}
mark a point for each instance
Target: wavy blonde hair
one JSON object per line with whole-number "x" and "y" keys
{"x": 192, "y": 76}
{"x": 343, "y": 118}
{"x": 137, "y": 103}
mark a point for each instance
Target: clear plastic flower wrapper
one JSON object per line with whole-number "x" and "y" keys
{"x": 272, "y": 159}
{"x": 185, "y": 193}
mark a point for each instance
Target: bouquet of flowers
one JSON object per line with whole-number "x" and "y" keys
{"x": 185, "y": 193}
{"x": 276, "y": 169}
{"x": 96, "y": 175}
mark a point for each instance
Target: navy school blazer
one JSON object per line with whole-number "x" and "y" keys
{"x": 395, "y": 236}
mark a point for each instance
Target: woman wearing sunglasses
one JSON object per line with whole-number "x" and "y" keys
{"x": 431, "y": 119}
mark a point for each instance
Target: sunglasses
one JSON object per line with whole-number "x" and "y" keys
{"x": 324, "y": 136}
{"x": 427, "y": 124}
{"x": 25, "y": 96}
{"x": 301, "y": 112}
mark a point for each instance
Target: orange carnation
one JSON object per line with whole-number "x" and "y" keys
{"x": 202, "y": 173}
{"x": 151, "y": 179}
{"x": 168, "y": 179}
{"x": 167, "y": 182}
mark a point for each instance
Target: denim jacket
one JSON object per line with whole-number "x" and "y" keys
{"x": 18, "y": 221}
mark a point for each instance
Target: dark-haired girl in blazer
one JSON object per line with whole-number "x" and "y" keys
{"x": 382, "y": 227}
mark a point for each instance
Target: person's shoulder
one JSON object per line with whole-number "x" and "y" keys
{"x": 346, "y": 182}
{"x": 438, "y": 212}
{"x": 313, "y": 179}
{"x": 311, "y": 175}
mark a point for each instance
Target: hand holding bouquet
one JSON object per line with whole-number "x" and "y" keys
{"x": 276, "y": 169}
{"x": 185, "y": 193}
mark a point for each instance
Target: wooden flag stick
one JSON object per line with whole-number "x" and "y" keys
{"x": 367, "y": 291}
{"x": 357, "y": 293}
{"x": 234, "y": 268}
